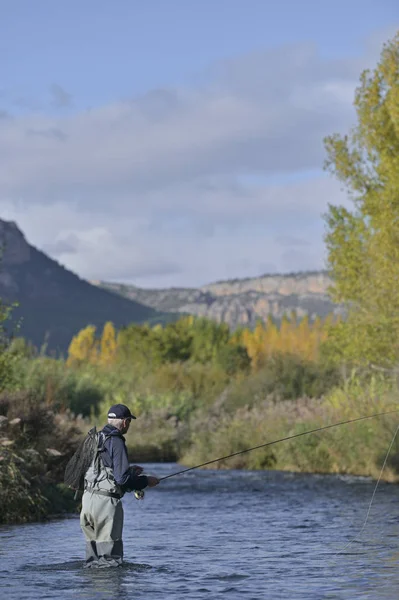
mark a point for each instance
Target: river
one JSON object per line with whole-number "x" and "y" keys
{"x": 222, "y": 534}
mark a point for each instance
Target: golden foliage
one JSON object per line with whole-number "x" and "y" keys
{"x": 293, "y": 336}
{"x": 108, "y": 345}
{"x": 83, "y": 347}
{"x": 300, "y": 338}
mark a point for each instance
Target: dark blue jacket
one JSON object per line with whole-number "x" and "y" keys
{"x": 115, "y": 456}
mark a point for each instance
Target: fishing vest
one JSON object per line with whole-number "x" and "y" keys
{"x": 100, "y": 479}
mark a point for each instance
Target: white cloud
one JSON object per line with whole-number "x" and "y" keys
{"x": 154, "y": 189}
{"x": 219, "y": 234}
{"x": 266, "y": 113}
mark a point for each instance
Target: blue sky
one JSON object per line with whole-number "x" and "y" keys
{"x": 178, "y": 142}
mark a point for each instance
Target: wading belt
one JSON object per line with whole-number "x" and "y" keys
{"x": 102, "y": 492}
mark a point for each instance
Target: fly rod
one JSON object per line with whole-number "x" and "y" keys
{"x": 290, "y": 437}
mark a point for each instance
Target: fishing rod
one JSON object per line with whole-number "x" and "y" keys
{"x": 290, "y": 437}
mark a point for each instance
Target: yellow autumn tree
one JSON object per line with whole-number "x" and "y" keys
{"x": 83, "y": 347}
{"x": 298, "y": 337}
{"x": 303, "y": 335}
{"x": 271, "y": 336}
{"x": 108, "y": 345}
{"x": 255, "y": 344}
{"x": 287, "y": 336}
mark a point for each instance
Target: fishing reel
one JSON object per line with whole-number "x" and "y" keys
{"x": 135, "y": 471}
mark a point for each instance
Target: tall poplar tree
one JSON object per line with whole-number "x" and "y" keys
{"x": 363, "y": 243}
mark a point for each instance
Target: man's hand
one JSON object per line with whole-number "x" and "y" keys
{"x": 136, "y": 470}
{"x": 152, "y": 481}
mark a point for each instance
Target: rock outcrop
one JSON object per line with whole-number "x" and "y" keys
{"x": 242, "y": 301}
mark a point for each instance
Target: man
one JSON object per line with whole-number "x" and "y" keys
{"x": 106, "y": 481}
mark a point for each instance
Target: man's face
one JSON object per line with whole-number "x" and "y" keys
{"x": 126, "y": 425}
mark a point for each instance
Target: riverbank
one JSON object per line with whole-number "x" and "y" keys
{"x": 354, "y": 449}
{"x": 35, "y": 442}
{"x": 38, "y": 434}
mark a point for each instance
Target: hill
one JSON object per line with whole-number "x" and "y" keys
{"x": 54, "y": 303}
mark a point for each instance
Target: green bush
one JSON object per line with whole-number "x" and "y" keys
{"x": 63, "y": 387}
{"x": 233, "y": 359}
{"x": 283, "y": 377}
{"x": 355, "y": 448}
{"x": 35, "y": 445}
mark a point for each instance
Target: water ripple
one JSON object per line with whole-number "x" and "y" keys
{"x": 212, "y": 534}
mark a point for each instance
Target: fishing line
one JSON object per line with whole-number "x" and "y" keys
{"x": 372, "y": 498}
{"x": 290, "y": 437}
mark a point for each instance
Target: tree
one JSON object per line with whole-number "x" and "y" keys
{"x": 108, "y": 345}
{"x": 140, "y": 345}
{"x": 83, "y": 347}
{"x": 208, "y": 338}
{"x": 256, "y": 345}
{"x": 7, "y": 358}
{"x": 175, "y": 340}
{"x": 363, "y": 243}
{"x": 233, "y": 359}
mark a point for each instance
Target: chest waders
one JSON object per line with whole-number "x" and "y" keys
{"x": 101, "y": 517}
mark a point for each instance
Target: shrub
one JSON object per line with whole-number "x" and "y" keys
{"x": 35, "y": 445}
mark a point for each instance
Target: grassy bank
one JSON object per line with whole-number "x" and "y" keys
{"x": 357, "y": 448}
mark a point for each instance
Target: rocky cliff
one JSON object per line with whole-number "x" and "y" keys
{"x": 54, "y": 303}
{"x": 241, "y": 301}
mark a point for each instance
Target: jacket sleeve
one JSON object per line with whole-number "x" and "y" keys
{"x": 120, "y": 466}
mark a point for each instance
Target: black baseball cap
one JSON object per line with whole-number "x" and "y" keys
{"x": 120, "y": 411}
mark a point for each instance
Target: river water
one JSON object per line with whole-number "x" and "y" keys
{"x": 222, "y": 534}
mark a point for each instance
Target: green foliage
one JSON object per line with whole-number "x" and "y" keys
{"x": 175, "y": 390}
{"x": 357, "y": 448}
{"x": 283, "y": 377}
{"x": 202, "y": 382}
{"x": 7, "y": 359}
{"x": 20, "y": 501}
{"x": 199, "y": 340}
{"x": 363, "y": 244}
{"x": 233, "y": 359}
{"x": 20, "y": 347}
{"x": 208, "y": 340}
{"x": 214, "y": 438}
{"x": 35, "y": 444}
{"x": 175, "y": 341}
{"x": 139, "y": 345}
{"x": 76, "y": 389}
{"x": 7, "y": 369}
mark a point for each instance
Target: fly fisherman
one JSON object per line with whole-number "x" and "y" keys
{"x": 106, "y": 481}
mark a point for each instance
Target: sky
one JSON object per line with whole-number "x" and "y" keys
{"x": 172, "y": 143}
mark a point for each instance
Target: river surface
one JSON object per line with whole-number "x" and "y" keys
{"x": 222, "y": 534}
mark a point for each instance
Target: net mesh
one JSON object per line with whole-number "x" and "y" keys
{"x": 79, "y": 463}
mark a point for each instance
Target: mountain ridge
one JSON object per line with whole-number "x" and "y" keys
{"x": 241, "y": 302}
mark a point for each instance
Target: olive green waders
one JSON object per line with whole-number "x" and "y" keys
{"x": 101, "y": 517}
{"x": 101, "y": 520}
